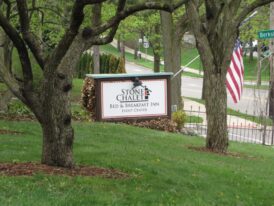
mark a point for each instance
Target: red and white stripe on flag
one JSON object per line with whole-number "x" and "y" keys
{"x": 235, "y": 73}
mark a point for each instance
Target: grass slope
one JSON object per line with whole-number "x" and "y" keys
{"x": 163, "y": 170}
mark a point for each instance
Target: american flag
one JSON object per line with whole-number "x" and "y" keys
{"x": 235, "y": 73}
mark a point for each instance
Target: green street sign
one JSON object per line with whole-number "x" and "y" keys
{"x": 267, "y": 34}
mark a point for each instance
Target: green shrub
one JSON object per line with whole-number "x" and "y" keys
{"x": 84, "y": 65}
{"x": 121, "y": 66}
{"x": 18, "y": 108}
{"x": 112, "y": 64}
{"x": 109, "y": 64}
{"x": 179, "y": 118}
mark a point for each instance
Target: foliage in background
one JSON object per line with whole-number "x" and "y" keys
{"x": 109, "y": 64}
{"x": 18, "y": 108}
{"x": 259, "y": 22}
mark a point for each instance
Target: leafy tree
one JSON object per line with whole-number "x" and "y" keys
{"x": 249, "y": 31}
{"x": 216, "y": 36}
{"x": 50, "y": 100}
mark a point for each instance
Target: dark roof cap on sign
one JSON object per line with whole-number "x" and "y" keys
{"x": 106, "y": 76}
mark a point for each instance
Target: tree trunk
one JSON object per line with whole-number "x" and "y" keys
{"x": 251, "y": 49}
{"x": 216, "y": 104}
{"x": 96, "y": 20}
{"x": 123, "y": 53}
{"x": 96, "y": 59}
{"x": 136, "y": 50}
{"x": 5, "y": 57}
{"x": 119, "y": 43}
{"x": 58, "y": 133}
{"x": 203, "y": 89}
{"x": 156, "y": 46}
{"x": 157, "y": 61}
{"x": 5, "y": 98}
{"x": 172, "y": 57}
{"x": 259, "y": 67}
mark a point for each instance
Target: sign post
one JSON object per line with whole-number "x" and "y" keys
{"x": 146, "y": 46}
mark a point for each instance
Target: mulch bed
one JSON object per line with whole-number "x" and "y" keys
{"x": 4, "y": 131}
{"x": 14, "y": 117}
{"x": 29, "y": 169}
{"x": 231, "y": 154}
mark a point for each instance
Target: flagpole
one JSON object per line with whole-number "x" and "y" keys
{"x": 182, "y": 68}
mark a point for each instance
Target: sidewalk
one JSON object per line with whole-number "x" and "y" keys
{"x": 186, "y": 69}
{"x": 194, "y": 108}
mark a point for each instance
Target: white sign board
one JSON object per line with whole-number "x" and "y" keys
{"x": 146, "y": 45}
{"x": 120, "y": 99}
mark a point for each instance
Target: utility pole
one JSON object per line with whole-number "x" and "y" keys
{"x": 271, "y": 63}
{"x": 271, "y": 59}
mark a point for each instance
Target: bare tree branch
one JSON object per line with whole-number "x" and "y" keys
{"x": 198, "y": 28}
{"x": 111, "y": 34}
{"x": 77, "y": 18}
{"x": 40, "y": 9}
{"x": 251, "y": 7}
{"x": 28, "y": 36}
{"x": 127, "y": 12}
{"x": 8, "y": 10}
{"x": 20, "y": 46}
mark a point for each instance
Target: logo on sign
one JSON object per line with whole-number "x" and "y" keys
{"x": 136, "y": 94}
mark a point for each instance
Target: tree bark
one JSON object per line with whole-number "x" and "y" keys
{"x": 96, "y": 59}
{"x": 135, "y": 53}
{"x": 96, "y": 21}
{"x": 215, "y": 38}
{"x": 156, "y": 46}
{"x": 259, "y": 67}
{"x": 123, "y": 52}
{"x": 216, "y": 104}
{"x": 56, "y": 122}
{"x": 157, "y": 62}
{"x": 172, "y": 56}
{"x": 58, "y": 134}
{"x": 5, "y": 58}
{"x": 203, "y": 89}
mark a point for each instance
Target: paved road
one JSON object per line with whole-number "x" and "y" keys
{"x": 252, "y": 101}
{"x": 134, "y": 68}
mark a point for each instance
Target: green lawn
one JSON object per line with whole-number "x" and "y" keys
{"x": 250, "y": 66}
{"x": 194, "y": 119}
{"x": 163, "y": 171}
{"x": 77, "y": 90}
{"x": 251, "y": 69}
